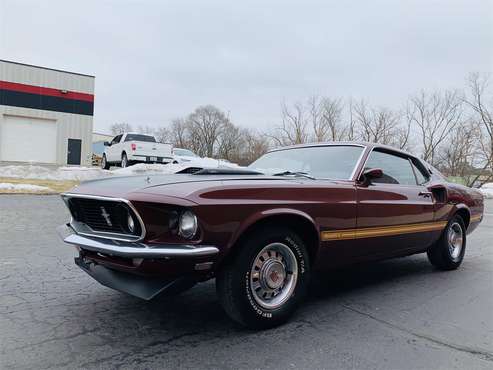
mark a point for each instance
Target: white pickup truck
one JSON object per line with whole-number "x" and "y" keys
{"x": 129, "y": 148}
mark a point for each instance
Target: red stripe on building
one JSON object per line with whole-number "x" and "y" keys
{"x": 31, "y": 89}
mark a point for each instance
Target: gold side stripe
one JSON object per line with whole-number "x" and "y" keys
{"x": 476, "y": 218}
{"x": 372, "y": 232}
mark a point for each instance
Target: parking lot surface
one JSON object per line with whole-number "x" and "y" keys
{"x": 395, "y": 314}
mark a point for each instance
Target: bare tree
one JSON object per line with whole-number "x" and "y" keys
{"x": 350, "y": 130}
{"x": 120, "y": 128}
{"x": 146, "y": 130}
{"x": 482, "y": 113}
{"x": 205, "y": 125}
{"x": 379, "y": 125}
{"x": 162, "y": 135}
{"x": 325, "y": 117}
{"x": 231, "y": 142}
{"x": 294, "y": 125}
{"x": 179, "y": 133}
{"x": 256, "y": 145}
{"x": 435, "y": 116}
{"x": 458, "y": 155}
{"x": 478, "y": 85}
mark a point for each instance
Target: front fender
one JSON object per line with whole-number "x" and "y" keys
{"x": 264, "y": 215}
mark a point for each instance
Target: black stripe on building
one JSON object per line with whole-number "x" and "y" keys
{"x": 45, "y": 102}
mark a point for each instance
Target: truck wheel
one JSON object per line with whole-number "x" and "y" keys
{"x": 266, "y": 280}
{"x": 448, "y": 252}
{"x": 104, "y": 163}
{"x": 124, "y": 162}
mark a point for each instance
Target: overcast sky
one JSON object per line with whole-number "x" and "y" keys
{"x": 156, "y": 60}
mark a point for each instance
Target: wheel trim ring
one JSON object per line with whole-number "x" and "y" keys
{"x": 455, "y": 240}
{"x": 290, "y": 277}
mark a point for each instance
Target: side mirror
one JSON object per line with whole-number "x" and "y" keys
{"x": 371, "y": 173}
{"x": 106, "y": 143}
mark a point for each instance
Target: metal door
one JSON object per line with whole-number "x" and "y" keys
{"x": 74, "y": 151}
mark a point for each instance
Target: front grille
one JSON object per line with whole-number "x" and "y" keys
{"x": 103, "y": 216}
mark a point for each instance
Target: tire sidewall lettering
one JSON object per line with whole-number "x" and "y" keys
{"x": 262, "y": 312}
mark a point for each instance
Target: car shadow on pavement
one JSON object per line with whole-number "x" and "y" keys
{"x": 345, "y": 281}
{"x": 167, "y": 325}
{"x": 198, "y": 310}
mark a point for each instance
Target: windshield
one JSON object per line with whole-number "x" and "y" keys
{"x": 324, "y": 162}
{"x": 138, "y": 137}
{"x": 184, "y": 152}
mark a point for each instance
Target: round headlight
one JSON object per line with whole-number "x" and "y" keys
{"x": 130, "y": 223}
{"x": 188, "y": 225}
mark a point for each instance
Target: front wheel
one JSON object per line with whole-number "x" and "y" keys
{"x": 266, "y": 280}
{"x": 448, "y": 252}
{"x": 104, "y": 163}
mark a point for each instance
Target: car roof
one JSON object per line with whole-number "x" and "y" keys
{"x": 363, "y": 144}
{"x": 137, "y": 133}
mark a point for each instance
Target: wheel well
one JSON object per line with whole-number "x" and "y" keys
{"x": 124, "y": 152}
{"x": 464, "y": 213}
{"x": 303, "y": 227}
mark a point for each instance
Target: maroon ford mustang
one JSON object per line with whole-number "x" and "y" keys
{"x": 262, "y": 230}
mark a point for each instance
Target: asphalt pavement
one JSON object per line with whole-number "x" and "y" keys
{"x": 395, "y": 314}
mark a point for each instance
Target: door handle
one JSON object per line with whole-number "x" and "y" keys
{"x": 425, "y": 194}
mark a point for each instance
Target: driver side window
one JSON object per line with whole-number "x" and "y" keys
{"x": 396, "y": 169}
{"x": 116, "y": 140}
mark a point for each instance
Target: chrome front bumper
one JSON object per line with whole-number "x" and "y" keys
{"x": 133, "y": 249}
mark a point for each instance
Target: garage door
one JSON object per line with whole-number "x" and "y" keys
{"x": 25, "y": 139}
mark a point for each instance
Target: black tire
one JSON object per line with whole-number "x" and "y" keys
{"x": 443, "y": 255}
{"x": 124, "y": 163}
{"x": 104, "y": 163}
{"x": 235, "y": 279}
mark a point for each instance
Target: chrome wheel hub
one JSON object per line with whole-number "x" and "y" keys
{"x": 455, "y": 240}
{"x": 273, "y": 275}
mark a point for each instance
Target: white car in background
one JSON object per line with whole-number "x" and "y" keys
{"x": 188, "y": 158}
{"x": 129, "y": 148}
{"x": 181, "y": 155}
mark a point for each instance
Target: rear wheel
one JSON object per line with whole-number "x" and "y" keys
{"x": 104, "y": 163}
{"x": 448, "y": 252}
{"x": 266, "y": 280}
{"x": 124, "y": 162}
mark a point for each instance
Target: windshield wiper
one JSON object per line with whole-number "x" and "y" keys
{"x": 295, "y": 173}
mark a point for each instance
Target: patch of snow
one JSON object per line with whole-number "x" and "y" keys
{"x": 24, "y": 187}
{"x": 52, "y": 173}
{"x": 487, "y": 190}
{"x": 149, "y": 169}
{"x": 91, "y": 173}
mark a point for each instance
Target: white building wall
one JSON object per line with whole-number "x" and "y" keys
{"x": 69, "y": 125}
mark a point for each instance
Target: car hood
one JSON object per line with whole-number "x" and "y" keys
{"x": 174, "y": 185}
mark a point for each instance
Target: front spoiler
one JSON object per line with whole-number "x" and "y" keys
{"x": 138, "y": 286}
{"x": 133, "y": 249}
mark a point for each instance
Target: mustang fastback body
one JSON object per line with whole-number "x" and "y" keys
{"x": 262, "y": 230}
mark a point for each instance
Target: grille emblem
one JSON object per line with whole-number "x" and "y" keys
{"x": 106, "y": 216}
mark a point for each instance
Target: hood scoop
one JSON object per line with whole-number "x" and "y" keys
{"x": 226, "y": 171}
